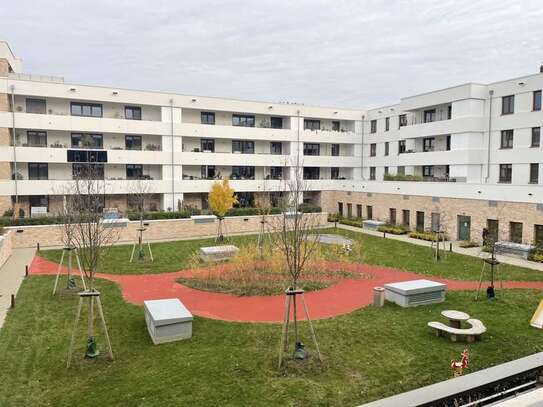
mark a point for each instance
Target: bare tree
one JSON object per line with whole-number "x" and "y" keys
{"x": 296, "y": 236}
{"x": 90, "y": 236}
{"x": 139, "y": 194}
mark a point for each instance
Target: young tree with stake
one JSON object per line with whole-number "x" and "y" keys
{"x": 221, "y": 199}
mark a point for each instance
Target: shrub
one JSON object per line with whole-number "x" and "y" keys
{"x": 9, "y": 212}
{"x": 428, "y": 236}
{"x": 393, "y": 229}
{"x": 251, "y": 211}
{"x": 159, "y": 215}
{"x": 468, "y": 243}
{"x": 351, "y": 222}
{"x": 399, "y": 177}
{"x": 536, "y": 255}
{"x": 45, "y": 220}
{"x": 309, "y": 208}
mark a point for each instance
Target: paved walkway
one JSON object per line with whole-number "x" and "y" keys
{"x": 472, "y": 251}
{"x": 342, "y": 298}
{"x": 11, "y": 276}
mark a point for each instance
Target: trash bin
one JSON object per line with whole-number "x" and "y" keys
{"x": 378, "y": 296}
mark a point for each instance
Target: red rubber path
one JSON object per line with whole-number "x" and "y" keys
{"x": 339, "y": 299}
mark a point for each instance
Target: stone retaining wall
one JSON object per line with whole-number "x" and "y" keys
{"x": 5, "y": 247}
{"x": 170, "y": 229}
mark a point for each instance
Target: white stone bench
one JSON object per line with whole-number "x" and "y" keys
{"x": 472, "y": 333}
{"x": 218, "y": 253}
{"x": 167, "y": 320}
{"x": 372, "y": 224}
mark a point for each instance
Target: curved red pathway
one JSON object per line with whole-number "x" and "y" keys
{"x": 339, "y": 299}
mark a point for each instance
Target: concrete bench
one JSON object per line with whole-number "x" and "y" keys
{"x": 372, "y": 224}
{"x": 472, "y": 333}
{"x": 217, "y": 253}
{"x": 167, "y": 320}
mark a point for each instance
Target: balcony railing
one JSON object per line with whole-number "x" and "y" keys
{"x": 437, "y": 117}
{"x": 418, "y": 178}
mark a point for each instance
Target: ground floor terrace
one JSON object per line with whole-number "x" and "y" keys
{"x": 368, "y": 352}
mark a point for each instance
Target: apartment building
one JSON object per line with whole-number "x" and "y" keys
{"x": 465, "y": 157}
{"x": 177, "y": 145}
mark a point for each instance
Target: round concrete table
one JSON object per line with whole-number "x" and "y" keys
{"x": 455, "y": 317}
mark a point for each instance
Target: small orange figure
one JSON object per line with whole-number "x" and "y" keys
{"x": 458, "y": 367}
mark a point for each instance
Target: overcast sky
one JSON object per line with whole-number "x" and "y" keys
{"x": 331, "y": 53}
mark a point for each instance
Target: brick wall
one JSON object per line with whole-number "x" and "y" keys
{"x": 449, "y": 208}
{"x": 4, "y": 67}
{"x": 51, "y": 235}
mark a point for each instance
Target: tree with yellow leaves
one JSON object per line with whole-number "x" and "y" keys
{"x": 221, "y": 199}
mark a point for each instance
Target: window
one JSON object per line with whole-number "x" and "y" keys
{"x": 243, "y": 146}
{"x": 405, "y": 217}
{"x": 427, "y": 170}
{"x": 537, "y": 100}
{"x": 335, "y": 125}
{"x": 536, "y": 137}
{"x": 436, "y": 222}
{"x": 429, "y": 115}
{"x": 310, "y": 124}
{"x": 276, "y": 122}
{"x": 311, "y": 172}
{"x": 334, "y": 173}
{"x": 506, "y": 173}
{"x": 507, "y": 139}
{"x": 38, "y": 171}
{"x": 132, "y": 112}
{"x": 207, "y": 117}
{"x": 36, "y": 106}
{"x": 392, "y": 216}
{"x": 492, "y": 227}
{"x": 340, "y": 208}
{"x": 335, "y": 150}
{"x": 369, "y": 212}
{"x": 134, "y": 171}
{"x": 359, "y": 211}
{"x": 402, "y": 120}
{"x": 86, "y": 109}
{"x": 243, "y": 172}
{"x": 132, "y": 142}
{"x": 207, "y": 171}
{"x": 86, "y": 140}
{"x": 38, "y": 200}
{"x": 387, "y": 148}
{"x": 92, "y": 171}
{"x": 386, "y": 170}
{"x": 387, "y": 123}
{"x": 36, "y": 138}
{"x": 276, "y": 172}
{"x": 448, "y": 146}
{"x": 86, "y": 156}
{"x": 372, "y": 173}
{"x": 534, "y": 173}
{"x": 373, "y": 126}
{"x": 515, "y": 232}
{"x": 401, "y": 146}
{"x": 207, "y": 144}
{"x": 508, "y": 104}
{"x": 373, "y": 149}
{"x": 276, "y": 147}
{"x": 245, "y": 200}
{"x": 428, "y": 144}
{"x": 349, "y": 210}
{"x": 243, "y": 120}
{"x": 449, "y": 112}
{"x": 401, "y": 170}
{"x": 312, "y": 149}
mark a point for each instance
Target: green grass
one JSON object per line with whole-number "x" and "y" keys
{"x": 368, "y": 354}
{"x": 174, "y": 256}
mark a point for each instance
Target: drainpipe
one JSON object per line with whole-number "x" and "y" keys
{"x": 173, "y": 156}
{"x": 12, "y": 88}
{"x": 491, "y": 93}
{"x": 362, "y": 150}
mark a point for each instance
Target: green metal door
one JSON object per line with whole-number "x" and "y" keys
{"x": 464, "y": 226}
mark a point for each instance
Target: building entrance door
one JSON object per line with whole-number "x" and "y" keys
{"x": 464, "y": 227}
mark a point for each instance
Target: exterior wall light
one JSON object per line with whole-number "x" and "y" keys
{"x": 194, "y": 100}
{"x": 115, "y": 92}
{"x": 72, "y": 89}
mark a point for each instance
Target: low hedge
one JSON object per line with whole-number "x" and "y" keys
{"x": 351, "y": 222}
{"x": 428, "y": 236}
{"x": 536, "y": 255}
{"x": 160, "y": 215}
{"x": 45, "y": 220}
{"x": 466, "y": 244}
{"x": 310, "y": 208}
{"x": 393, "y": 229}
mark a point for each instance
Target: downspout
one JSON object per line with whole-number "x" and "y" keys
{"x": 12, "y": 88}
{"x": 173, "y": 156}
{"x": 362, "y": 150}
{"x": 490, "y": 92}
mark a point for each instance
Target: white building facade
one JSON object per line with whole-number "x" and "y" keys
{"x": 469, "y": 156}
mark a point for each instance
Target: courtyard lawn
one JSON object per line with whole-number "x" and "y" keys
{"x": 175, "y": 256}
{"x": 368, "y": 354}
